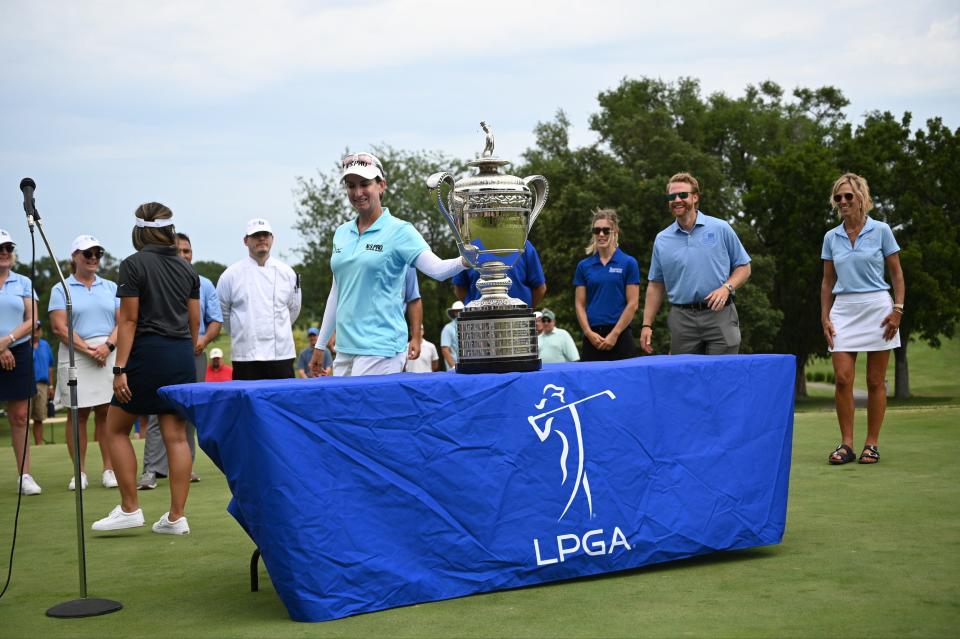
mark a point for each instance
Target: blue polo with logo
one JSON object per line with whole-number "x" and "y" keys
{"x": 606, "y": 285}
{"x": 14, "y": 290}
{"x": 693, "y": 264}
{"x": 370, "y": 271}
{"x": 860, "y": 266}
{"x": 525, "y": 275}
{"x": 210, "y": 310}
{"x": 94, "y": 308}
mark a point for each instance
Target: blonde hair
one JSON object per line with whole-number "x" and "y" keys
{"x": 684, "y": 178}
{"x": 609, "y": 215}
{"x": 859, "y": 187}
{"x": 164, "y": 235}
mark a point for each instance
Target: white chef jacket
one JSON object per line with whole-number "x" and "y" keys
{"x": 260, "y": 304}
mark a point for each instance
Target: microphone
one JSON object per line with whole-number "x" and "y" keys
{"x": 27, "y": 186}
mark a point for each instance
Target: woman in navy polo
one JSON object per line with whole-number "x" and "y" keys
{"x": 856, "y": 310}
{"x": 607, "y": 293}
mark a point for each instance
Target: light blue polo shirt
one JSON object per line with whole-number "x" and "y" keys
{"x": 606, "y": 285}
{"x": 94, "y": 309}
{"x": 209, "y": 305}
{"x": 448, "y": 338}
{"x": 860, "y": 266}
{"x": 370, "y": 271}
{"x": 14, "y": 290}
{"x": 692, "y": 265}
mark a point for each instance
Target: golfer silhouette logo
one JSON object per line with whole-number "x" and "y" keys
{"x": 580, "y": 479}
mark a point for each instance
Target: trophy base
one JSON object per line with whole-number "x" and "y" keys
{"x": 497, "y": 341}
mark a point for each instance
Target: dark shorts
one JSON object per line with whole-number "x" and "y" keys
{"x": 19, "y": 383}
{"x": 273, "y": 369}
{"x": 157, "y": 361}
{"x": 625, "y": 348}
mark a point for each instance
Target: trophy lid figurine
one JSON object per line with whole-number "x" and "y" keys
{"x": 491, "y": 214}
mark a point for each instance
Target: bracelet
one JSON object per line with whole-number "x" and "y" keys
{"x": 12, "y": 339}
{"x": 643, "y": 326}
{"x": 898, "y": 309}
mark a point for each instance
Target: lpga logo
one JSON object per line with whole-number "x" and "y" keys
{"x": 568, "y": 544}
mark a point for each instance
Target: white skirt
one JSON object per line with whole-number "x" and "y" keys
{"x": 857, "y": 319}
{"x": 94, "y": 383}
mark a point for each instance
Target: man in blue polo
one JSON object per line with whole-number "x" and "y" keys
{"x": 526, "y": 275}
{"x": 698, "y": 262}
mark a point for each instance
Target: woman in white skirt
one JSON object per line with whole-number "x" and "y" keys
{"x": 95, "y": 305}
{"x": 856, "y": 309}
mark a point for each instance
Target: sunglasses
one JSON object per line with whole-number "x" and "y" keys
{"x": 669, "y": 197}
{"x": 362, "y": 159}
{"x": 839, "y": 197}
{"x": 7, "y": 247}
{"x": 92, "y": 253}
{"x": 602, "y": 230}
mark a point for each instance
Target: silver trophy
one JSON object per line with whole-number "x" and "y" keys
{"x": 491, "y": 215}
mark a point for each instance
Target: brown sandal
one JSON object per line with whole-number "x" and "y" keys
{"x": 842, "y": 454}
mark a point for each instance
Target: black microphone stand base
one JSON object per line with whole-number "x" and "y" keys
{"x": 84, "y": 608}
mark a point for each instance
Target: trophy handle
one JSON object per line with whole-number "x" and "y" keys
{"x": 540, "y": 189}
{"x": 434, "y": 183}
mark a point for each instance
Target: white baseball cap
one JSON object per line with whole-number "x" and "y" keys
{"x": 216, "y": 352}
{"x": 83, "y": 242}
{"x": 6, "y": 237}
{"x": 456, "y": 306}
{"x": 258, "y": 225}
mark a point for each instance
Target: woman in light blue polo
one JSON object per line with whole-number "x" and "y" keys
{"x": 607, "y": 293}
{"x": 856, "y": 309}
{"x": 18, "y": 312}
{"x": 370, "y": 258}
{"x": 95, "y": 305}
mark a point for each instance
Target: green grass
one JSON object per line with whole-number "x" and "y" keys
{"x": 869, "y": 551}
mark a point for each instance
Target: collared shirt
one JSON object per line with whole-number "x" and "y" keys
{"x": 371, "y": 271}
{"x": 448, "y": 338}
{"x": 222, "y": 374}
{"x": 94, "y": 308}
{"x": 210, "y": 310}
{"x": 303, "y": 359}
{"x": 860, "y": 266}
{"x": 526, "y": 274}
{"x": 14, "y": 290}
{"x": 42, "y": 362}
{"x": 259, "y": 305}
{"x": 557, "y": 346}
{"x": 164, "y": 282}
{"x": 694, "y": 263}
{"x": 606, "y": 285}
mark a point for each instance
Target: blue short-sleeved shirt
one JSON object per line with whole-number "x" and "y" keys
{"x": 371, "y": 271}
{"x": 860, "y": 267}
{"x": 94, "y": 309}
{"x": 42, "y": 362}
{"x": 692, "y": 265}
{"x": 606, "y": 285}
{"x": 209, "y": 305}
{"x": 526, "y": 275}
{"x": 12, "y": 293}
{"x": 448, "y": 338}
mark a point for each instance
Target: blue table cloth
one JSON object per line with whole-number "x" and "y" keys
{"x": 373, "y": 492}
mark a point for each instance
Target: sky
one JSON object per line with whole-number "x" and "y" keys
{"x": 215, "y": 108}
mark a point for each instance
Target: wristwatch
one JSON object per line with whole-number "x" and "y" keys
{"x": 729, "y": 287}
{"x": 119, "y": 370}
{"x": 111, "y": 346}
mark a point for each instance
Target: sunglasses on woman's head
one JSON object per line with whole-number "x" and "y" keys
{"x": 364, "y": 159}
{"x": 91, "y": 253}
{"x": 602, "y": 230}
{"x": 837, "y": 197}
{"x": 669, "y": 197}
{"x": 7, "y": 247}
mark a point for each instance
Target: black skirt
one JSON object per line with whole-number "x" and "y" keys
{"x": 19, "y": 383}
{"x": 625, "y": 348}
{"x": 157, "y": 361}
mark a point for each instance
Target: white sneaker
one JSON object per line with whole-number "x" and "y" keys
{"x": 109, "y": 479}
{"x": 167, "y": 527}
{"x": 83, "y": 482}
{"x": 118, "y": 520}
{"x": 28, "y": 486}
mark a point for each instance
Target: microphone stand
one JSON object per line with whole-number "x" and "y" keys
{"x": 84, "y": 606}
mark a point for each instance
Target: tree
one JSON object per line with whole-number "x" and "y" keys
{"x": 323, "y": 207}
{"x": 210, "y": 269}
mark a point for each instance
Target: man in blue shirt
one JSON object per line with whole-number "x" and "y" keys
{"x": 526, "y": 275}
{"x": 449, "y": 347}
{"x": 698, "y": 262}
{"x": 43, "y": 364}
{"x": 211, "y": 320}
